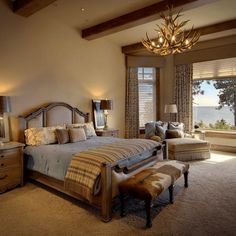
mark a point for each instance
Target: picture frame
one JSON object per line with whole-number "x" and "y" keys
{"x": 98, "y": 114}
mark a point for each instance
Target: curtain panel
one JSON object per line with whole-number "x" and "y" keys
{"x": 183, "y": 94}
{"x": 132, "y": 104}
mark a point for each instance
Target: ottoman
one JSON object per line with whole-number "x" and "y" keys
{"x": 148, "y": 184}
{"x": 188, "y": 149}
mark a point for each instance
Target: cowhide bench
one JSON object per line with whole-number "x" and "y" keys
{"x": 148, "y": 184}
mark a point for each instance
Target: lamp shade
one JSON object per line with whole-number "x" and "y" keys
{"x": 5, "y": 104}
{"x": 106, "y": 105}
{"x": 170, "y": 108}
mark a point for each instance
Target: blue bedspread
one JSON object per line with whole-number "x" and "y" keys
{"x": 53, "y": 160}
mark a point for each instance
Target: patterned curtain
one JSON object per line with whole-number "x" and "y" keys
{"x": 183, "y": 94}
{"x": 132, "y": 104}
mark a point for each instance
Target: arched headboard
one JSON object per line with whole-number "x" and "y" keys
{"x": 52, "y": 114}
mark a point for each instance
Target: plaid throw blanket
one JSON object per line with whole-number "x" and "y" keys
{"x": 83, "y": 174}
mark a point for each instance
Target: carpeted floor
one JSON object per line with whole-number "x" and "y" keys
{"x": 207, "y": 207}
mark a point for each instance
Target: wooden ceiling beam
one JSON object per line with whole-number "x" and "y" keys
{"x": 28, "y": 7}
{"x": 138, "y": 17}
{"x": 210, "y": 29}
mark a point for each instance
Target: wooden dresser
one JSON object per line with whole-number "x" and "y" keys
{"x": 11, "y": 165}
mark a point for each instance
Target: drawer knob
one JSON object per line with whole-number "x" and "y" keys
{"x": 3, "y": 177}
{"x": 2, "y": 164}
{"x": 2, "y": 156}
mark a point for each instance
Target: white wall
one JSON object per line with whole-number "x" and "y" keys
{"x": 43, "y": 60}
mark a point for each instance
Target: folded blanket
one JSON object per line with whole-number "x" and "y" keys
{"x": 83, "y": 174}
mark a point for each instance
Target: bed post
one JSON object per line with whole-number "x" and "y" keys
{"x": 106, "y": 204}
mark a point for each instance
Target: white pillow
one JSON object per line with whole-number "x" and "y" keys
{"x": 89, "y": 128}
{"x": 41, "y": 136}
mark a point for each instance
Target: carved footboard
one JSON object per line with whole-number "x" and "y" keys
{"x": 110, "y": 181}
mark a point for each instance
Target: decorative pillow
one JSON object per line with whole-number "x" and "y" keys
{"x": 41, "y": 136}
{"x": 161, "y": 128}
{"x": 90, "y": 131}
{"x": 155, "y": 138}
{"x": 174, "y": 134}
{"x": 77, "y": 134}
{"x": 89, "y": 128}
{"x": 62, "y": 136}
{"x": 177, "y": 126}
{"x": 35, "y": 136}
{"x": 150, "y": 129}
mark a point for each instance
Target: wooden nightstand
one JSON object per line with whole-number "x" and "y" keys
{"x": 107, "y": 132}
{"x": 11, "y": 165}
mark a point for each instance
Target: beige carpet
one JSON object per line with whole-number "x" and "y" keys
{"x": 207, "y": 207}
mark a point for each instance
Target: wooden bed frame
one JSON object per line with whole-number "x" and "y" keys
{"x": 41, "y": 118}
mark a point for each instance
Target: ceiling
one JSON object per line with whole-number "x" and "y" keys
{"x": 98, "y": 11}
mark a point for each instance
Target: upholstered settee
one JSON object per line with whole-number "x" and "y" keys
{"x": 181, "y": 146}
{"x": 159, "y": 131}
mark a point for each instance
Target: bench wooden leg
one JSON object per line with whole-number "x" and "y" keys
{"x": 186, "y": 179}
{"x": 171, "y": 187}
{"x": 148, "y": 205}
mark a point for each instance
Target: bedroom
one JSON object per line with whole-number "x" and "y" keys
{"x": 44, "y": 59}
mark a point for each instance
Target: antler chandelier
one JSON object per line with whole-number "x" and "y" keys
{"x": 171, "y": 38}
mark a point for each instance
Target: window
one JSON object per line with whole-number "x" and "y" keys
{"x": 147, "y": 95}
{"x": 214, "y": 94}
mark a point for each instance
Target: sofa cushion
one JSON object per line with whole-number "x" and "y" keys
{"x": 188, "y": 149}
{"x": 187, "y": 144}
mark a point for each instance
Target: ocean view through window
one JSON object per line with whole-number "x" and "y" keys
{"x": 214, "y": 95}
{"x": 147, "y": 95}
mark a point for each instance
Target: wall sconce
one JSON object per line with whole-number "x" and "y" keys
{"x": 5, "y": 107}
{"x": 105, "y": 106}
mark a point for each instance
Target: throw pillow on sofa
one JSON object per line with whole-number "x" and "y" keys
{"x": 173, "y": 134}
{"x": 157, "y": 128}
{"x": 177, "y": 127}
{"x": 161, "y": 128}
{"x": 150, "y": 129}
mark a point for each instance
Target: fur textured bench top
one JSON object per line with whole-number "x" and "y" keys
{"x": 151, "y": 182}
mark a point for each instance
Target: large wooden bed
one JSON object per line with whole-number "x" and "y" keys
{"x": 61, "y": 113}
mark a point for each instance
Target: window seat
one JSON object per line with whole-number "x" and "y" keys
{"x": 221, "y": 140}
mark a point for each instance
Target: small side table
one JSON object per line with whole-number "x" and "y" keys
{"x": 11, "y": 165}
{"x": 107, "y": 132}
